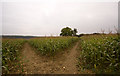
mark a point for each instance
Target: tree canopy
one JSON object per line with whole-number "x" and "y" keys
{"x": 74, "y": 32}
{"x": 68, "y": 32}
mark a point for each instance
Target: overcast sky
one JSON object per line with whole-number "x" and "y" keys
{"x": 48, "y": 17}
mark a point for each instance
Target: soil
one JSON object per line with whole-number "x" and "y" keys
{"x": 63, "y": 63}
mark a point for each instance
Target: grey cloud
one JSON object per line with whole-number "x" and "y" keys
{"x": 46, "y": 18}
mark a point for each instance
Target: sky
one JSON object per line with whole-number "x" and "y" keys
{"x": 119, "y": 17}
{"x": 48, "y": 17}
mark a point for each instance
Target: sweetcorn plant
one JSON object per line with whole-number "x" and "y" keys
{"x": 102, "y": 53}
{"x": 49, "y": 46}
{"x": 10, "y": 52}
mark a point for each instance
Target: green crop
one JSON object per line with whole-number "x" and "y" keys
{"x": 102, "y": 53}
{"x": 49, "y": 46}
{"x": 10, "y": 52}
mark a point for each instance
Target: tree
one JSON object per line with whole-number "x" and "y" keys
{"x": 74, "y": 32}
{"x": 110, "y": 31}
{"x": 103, "y": 31}
{"x": 66, "y": 32}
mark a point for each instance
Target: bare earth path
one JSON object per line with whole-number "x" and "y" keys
{"x": 34, "y": 63}
{"x": 69, "y": 65}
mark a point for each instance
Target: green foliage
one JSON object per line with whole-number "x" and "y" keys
{"x": 102, "y": 53}
{"x": 74, "y": 32}
{"x": 68, "y": 32}
{"x": 49, "y": 46}
{"x": 10, "y": 51}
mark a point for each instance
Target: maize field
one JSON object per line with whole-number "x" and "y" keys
{"x": 101, "y": 53}
{"x": 49, "y": 46}
{"x": 10, "y": 52}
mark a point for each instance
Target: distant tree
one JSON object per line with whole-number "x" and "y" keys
{"x": 66, "y": 32}
{"x": 80, "y": 35}
{"x": 110, "y": 31}
{"x": 103, "y": 31}
{"x": 96, "y": 33}
{"x": 74, "y": 32}
{"x": 116, "y": 29}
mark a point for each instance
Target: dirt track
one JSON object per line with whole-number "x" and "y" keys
{"x": 63, "y": 63}
{"x": 34, "y": 63}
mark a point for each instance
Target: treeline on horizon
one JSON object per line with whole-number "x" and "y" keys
{"x": 67, "y": 31}
{"x": 27, "y": 37}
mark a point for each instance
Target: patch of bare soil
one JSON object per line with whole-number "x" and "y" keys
{"x": 34, "y": 63}
{"x": 69, "y": 63}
